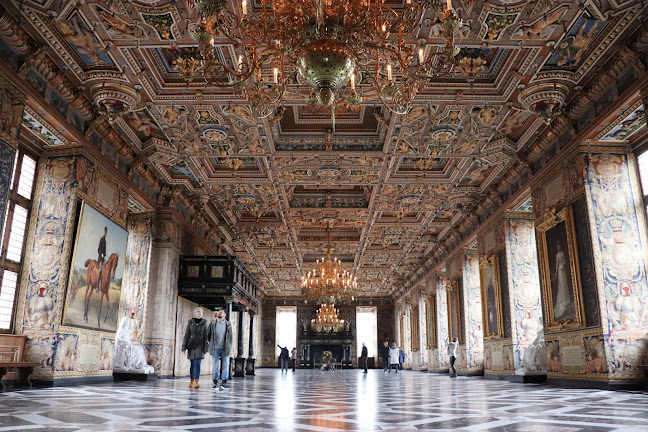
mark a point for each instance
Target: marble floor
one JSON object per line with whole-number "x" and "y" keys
{"x": 310, "y": 400}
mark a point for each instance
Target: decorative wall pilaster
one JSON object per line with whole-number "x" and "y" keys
{"x": 162, "y": 303}
{"x": 527, "y": 331}
{"x": 135, "y": 286}
{"x": 618, "y": 226}
{"x": 422, "y": 325}
{"x": 473, "y": 345}
{"x": 442, "y": 322}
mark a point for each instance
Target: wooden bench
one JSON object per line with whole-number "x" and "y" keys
{"x": 12, "y": 367}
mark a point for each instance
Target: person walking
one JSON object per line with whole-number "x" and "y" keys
{"x": 293, "y": 356}
{"x": 219, "y": 338}
{"x": 364, "y": 356}
{"x": 195, "y": 343}
{"x": 401, "y": 358}
{"x": 393, "y": 357}
{"x": 452, "y": 353}
{"x": 283, "y": 356}
{"x": 384, "y": 356}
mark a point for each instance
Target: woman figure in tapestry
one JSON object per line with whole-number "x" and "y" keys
{"x": 563, "y": 299}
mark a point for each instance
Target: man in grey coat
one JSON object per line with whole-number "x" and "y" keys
{"x": 219, "y": 340}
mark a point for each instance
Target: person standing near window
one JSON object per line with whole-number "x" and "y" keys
{"x": 384, "y": 356}
{"x": 364, "y": 356}
{"x": 452, "y": 353}
{"x": 293, "y": 357}
{"x": 283, "y": 356}
{"x": 394, "y": 355}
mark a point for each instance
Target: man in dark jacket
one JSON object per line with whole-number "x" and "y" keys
{"x": 384, "y": 356}
{"x": 364, "y": 356}
{"x": 219, "y": 338}
{"x": 283, "y": 356}
{"x": 195, "y": 343}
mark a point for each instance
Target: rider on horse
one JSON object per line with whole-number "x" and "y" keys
{"x": 102, "y": 254}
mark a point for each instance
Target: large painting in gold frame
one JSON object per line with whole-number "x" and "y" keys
{"x": 414, "y": 328}
{"x": 430, "y": 320}
{"x": 561, "y": 285}
{"x": 491, "y": 298}
{"x": 454, "y": 310}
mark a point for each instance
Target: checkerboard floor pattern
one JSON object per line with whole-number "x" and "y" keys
{"x": 311, "y": 400}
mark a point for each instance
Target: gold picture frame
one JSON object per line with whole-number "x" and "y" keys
{"x": 414, "y": 328}
{"x": 430, "y": 321}
{"x": 454, "y": 310}
{"x": 561, "y": 286}
{"x": 491, "y": 298}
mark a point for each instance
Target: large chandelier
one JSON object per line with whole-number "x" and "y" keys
{"x": 326, "y": 319}
{"x": 330, "y": 45}
{"x": 328, "y": 283}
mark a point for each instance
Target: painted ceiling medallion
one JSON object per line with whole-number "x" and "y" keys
{"x": 214, "y": 133}
{"x": 544, "y": 100}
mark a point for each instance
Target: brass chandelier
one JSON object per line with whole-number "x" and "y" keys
{"x": 326, "y": 319}
{"x": 325, "y": 44}
{"x": 328, "y": 283}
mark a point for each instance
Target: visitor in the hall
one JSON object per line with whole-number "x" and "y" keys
{"x": 401, "y": 358}
{"x": 364, "y": 356}
{"x": 393, "y": 357}
{"x": 452, "y": 353}
{"x": 384, "y": 356}
{"x": 195, "y": 343}
{"x": 283, "y": 357}
{"x": 102, "y": 256}
{"x": 293, "y": 357}
{"x": 219, "y": 338}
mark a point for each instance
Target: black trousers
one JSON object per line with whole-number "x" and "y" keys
{"x": 453, "y": 371}
{"x": 364, "y": 363}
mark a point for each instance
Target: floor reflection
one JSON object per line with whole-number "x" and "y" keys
{"x": 312, "y": 400}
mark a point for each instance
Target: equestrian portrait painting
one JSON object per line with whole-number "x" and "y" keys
{"x": 96, "y": 272}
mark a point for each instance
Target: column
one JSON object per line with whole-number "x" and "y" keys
{"x": 249, "y": 366}
{"x": 239, "y": 362}
{"x": 472, "y": 340}
{"x": 526, "y": 356}
{"x": 422, "y": 327}
{"x": 618, "y": 229}
{"x": 163, "y": 300}
{"x": 439, "y": 354}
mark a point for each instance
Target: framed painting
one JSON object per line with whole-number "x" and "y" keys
{"x": 414, "y": 328}
{"x": 430, "y": 319}
{"x": 561, "y": 285}
{"x": 96, "y": 272}
{"x": 491, "y": 298}
{"x": 454, "y": 311}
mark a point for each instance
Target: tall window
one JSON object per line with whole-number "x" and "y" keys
{"x": 367, "y": 329}
{"x": 14, "y": 230}
{"x": 286, "y": 327}
{"x": 642, "y": 163}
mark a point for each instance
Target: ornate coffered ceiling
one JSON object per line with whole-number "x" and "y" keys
{"x": 397, "y": 190}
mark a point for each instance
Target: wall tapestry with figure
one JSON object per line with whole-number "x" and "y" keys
{"x": 560, "y": 275}
{"x": 96, "y": 272}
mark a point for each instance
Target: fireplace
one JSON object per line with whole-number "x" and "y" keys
{"x": 312, "y": 344}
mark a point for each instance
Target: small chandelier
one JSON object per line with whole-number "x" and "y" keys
{"x": 327, "y": 44}
{"x": 328, "y": 283}
{"x": 326, "y": 319}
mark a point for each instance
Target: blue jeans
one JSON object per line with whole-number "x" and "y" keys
{"x": 194, "y": 370}
{"x": 219, "y": 359}
{"x": 284, "y": 364}
{"x": 385, "y": 362}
